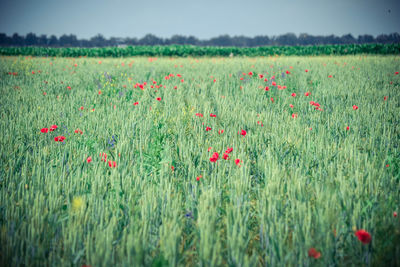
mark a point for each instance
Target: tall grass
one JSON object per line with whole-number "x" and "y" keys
{"x": 303, "y": 182}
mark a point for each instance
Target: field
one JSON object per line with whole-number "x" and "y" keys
{"x": 128, "y": 161}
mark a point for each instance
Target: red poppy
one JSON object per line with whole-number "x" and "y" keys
{"x": 266, "y": 88}
{"x": 53, "y": 127}
{"x": 237, "y": 162}
{"x": 396, "y": 73}
{"x": 363, "y": 236}
{"x": 394, "y": 214}
{"x": 172, "y": 168}
{"x": 355, "y": 107}
{"x": 385, "y": 98}
{"x": 220, "y": 131}
{"x": 99, "y": 92}
{"x": 229, "y": 150}
{"x": 78, "y": 131}
{"x": 330, "y": 76}
{"x": 213, "y": 115}
{"x": 225, "y": 156}
{"x": 307, "y": 93}
{"x": 287, "y": 72}
{"x": 44, "y": 130}
{"x": 250, "y": 73}
{"x": 112, "y": 164}
{"x": 293, "y": 94}
{"x": 291, "y": 105}
{"x": 294, "y": 115}
{"x": 273, "y": 83}
{"x": 69, "y": 87}
{"x": 59, "y": 138}
{"x": 242, "y": 132}
{"x": 198, "y": 177}
{"x": 136, "y": 103}
{"x": 260, "y": 76}
{"x": 214, "y": 157}
{"x": 158, "y": 98}
{"x": 44, "y": 93}
{"x": 199, "y": 115}
{"x": 306, "y": 70}
{"x": 347, "y": 128}
{"x": 272, "y": 99}
{"x": 89, "y": 159}
{"x": 387, "y": 165}
{"x": 209, "y": 148}
{"x": 313, "y": 253}
{"x": 208, "y": 129}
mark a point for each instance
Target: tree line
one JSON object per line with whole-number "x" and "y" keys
{"x": 289, "y": 39}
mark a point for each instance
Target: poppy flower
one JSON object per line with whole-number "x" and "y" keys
{"x": 273, "y": 83}
{"x": 208, "y": 129}
{"x": 287, "y": 72}
{"x": 385, "y": 98}
{"x": 363, "y": 236}
{"x": 99, "y": 92}
{"x": 220, "y": 131}
{"x": 394, "y": 214}
{"x": 209, "y": 148}
{"x": 355, "y": 107}
{"x": 306, "y": 70}
{"x": 213, "y": 115}
{"x": 44, "y": 93}
{"x": 158, "y": 98}
{"x": 89, "y": 159}
{"x": 214, "y": 157}
{"x": 307, "y": 93}
{"x": 198, "y": 177}
{"x": 59, "y": 138}
{"x": 250, "y": 73}
{"x": 291, "y": 105}
{"x": 387, "y": 165}
{"x": 272, "y": 99}
{"x": 44, "y": 130}
{"x": 53, "y": 127}
{"x": 313, "y": 253}
{"x": 199, "y": 115}
{"x": 172, "y": 168}
{"x": 294, "y": 115}
{"x": 229, "y": 150}
{"x": 225, "y": 156}
{"x": 396, "y": 73}
{"x": 78, "y": 131}
{"x": 260, "y": 76}
{"x": 294, "y": 94}
{"x": 136, "y": 103}
{"x": 266, "y": 88}
{"x": 112, "y": 164}
{"x": 69, "y": 87}
{"x": 329, "y": 76}
{"x": 237, "y": 162}
{"x": 347, "y": 128}
{"x": 242, "y": 132}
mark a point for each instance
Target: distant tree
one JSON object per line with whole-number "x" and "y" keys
{"x": 5, "y": 40}
{"x": 222, "y": 40}
{"x": 286, "y": 39}
{"x": 131, "y": 41}
{"x": 53, "y": 41}
{"x": 98, "y": 41}
{"x": 348, "y": 39}
{"x": 365, "y": 39}
{"x": 17, "y": 40}
{"x": 31, "y": 39}
{"x": 42, "y": 40}
{"x": 259, "y": 41}
{"x": 68, "y": 40}
{"x": 150, "y": 39}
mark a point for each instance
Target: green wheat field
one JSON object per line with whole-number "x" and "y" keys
{"x": 225, "y": 161}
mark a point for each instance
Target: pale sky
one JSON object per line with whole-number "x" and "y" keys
{"x": 202, "y": 19}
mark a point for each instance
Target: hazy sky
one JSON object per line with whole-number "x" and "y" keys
{"x": 203, "y": 19}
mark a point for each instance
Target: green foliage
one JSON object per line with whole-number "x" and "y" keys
{"x": 199, "y": 51}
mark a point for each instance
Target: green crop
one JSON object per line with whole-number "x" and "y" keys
{"x": 318, "y": 158}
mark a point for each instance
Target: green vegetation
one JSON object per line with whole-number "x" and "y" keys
{"x": 195, "y": 51}
{"x": 299, "y": 178}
